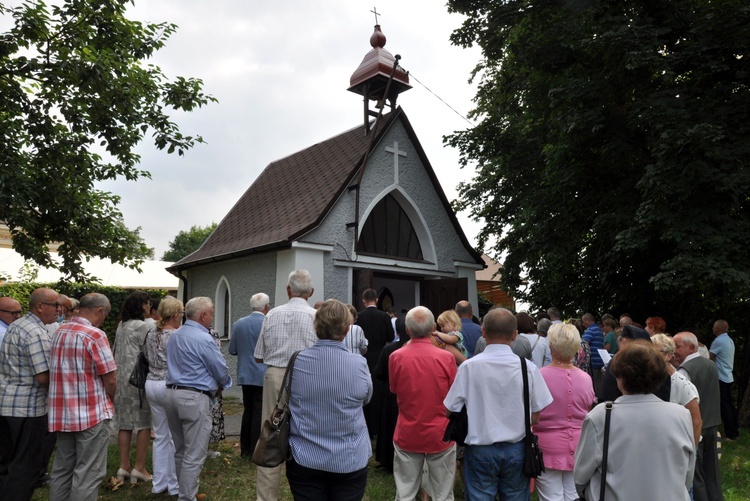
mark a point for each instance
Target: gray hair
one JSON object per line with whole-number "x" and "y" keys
{"x": 463, "y": 308}
{"x": 543, "y": 325}
{"x": 554, "y": 312}
{"x": 197, "y": 305}
{"x": 93, "y": 301}
{"x": 564, "y": 340}
{"x": 688, "y": 338}
{"x": 259, "y": 301}
{"x": 420, "y": 322}
{"x": 300, "y": 283}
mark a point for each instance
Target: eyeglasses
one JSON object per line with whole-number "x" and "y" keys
{"x": 14, "y": 313}
{"x": 55, "y": 305}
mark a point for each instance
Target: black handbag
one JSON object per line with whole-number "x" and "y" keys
{"x": 457, "y": 428}
{"x": 534, "y": 465}
{"x": 272, "y": 448}
{"x": 140, "y": 372}
{"x": 140, "y": 369}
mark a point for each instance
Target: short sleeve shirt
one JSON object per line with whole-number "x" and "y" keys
{"x": 80, "y": 356}
{"x": 723, "y": 350}
{"x": 24, "y": 353}
{"x": 682, "y": 390}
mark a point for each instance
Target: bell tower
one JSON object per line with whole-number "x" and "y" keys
{"x": 379, "y": 77}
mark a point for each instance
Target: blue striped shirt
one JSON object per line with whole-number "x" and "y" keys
{"x": 329, "y": 388}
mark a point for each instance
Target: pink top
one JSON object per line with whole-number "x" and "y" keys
{"x": 559, "y": 426}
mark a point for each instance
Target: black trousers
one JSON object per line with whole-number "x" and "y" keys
{"x": 307, "y": 484}
{"x": 252, "y": 418}
{"x": 728, "y": 411}
{"x": 707, "y": 478}
{"x": 21, "y": 447}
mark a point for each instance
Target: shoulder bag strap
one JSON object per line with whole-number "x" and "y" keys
{"x": 605, "y": 451}
{"x": 286, "y": 385}
{"x": 536, "y": 342}
{"x": 526, "y": 414}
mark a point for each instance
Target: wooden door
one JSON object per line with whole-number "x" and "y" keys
{"x": 443, "y": 294}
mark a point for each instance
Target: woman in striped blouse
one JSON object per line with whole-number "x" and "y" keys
{"x": 328, "y": 435}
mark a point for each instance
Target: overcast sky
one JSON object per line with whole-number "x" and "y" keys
{"x": 280, "y": 71}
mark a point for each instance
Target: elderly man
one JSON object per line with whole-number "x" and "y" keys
{"x": 704, "y": 375}
{"x": 10, "y": 311}
{"x": 245, "y": 334}
{"x": 196, "y": 372}
{"x": 490, "y": 385}
{"x": 471, "y": 331}
{"x": 722, "y": 353}
{"x": 420, "y": 375}
{"x": 83, "y": 380}
{"x": 286, "y": 329}
{"x": 24, "y": 379}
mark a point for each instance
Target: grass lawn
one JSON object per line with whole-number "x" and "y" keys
{"x": 230, "y": 477}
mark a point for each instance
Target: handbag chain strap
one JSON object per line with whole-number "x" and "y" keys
{"x": 605, "y": 451}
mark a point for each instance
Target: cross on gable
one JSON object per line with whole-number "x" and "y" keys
{"x": 396, "y": 153}
{"x": 375, "y": 11}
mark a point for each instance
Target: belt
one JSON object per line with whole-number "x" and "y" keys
{"x": 189, "y": 388}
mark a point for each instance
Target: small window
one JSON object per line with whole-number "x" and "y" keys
{"x": 389, "y": 232}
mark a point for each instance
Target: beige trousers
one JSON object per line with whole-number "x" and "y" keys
{"x": 268, "y": 479}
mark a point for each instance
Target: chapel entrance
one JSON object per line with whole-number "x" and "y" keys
{"x": 403, "y": 292}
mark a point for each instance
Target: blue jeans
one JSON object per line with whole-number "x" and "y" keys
{"x": 496, "y": 469}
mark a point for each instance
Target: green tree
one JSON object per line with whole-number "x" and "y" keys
{"x": 76, "y": 97}
{"x": 612, "y": 152}
{"x": 187, "y": 242}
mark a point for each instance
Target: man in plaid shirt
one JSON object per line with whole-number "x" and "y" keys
{"x": 24, "y": 378}
{"x": 82, "y": 387}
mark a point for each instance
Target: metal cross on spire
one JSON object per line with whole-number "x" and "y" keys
{"x": 375, "y": 11}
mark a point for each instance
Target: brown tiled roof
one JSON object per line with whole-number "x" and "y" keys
{"x": 293, "y": 195}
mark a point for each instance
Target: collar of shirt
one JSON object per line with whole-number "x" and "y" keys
{"x": 690, "y": 357}
{"x": 332, "y": 343}
{"x": 499, "y": 348}
{"x": 80, "y": 320}
{"x": 193, "y": 323}
{"x": 34, "y": 319}
{"x": 3, "y": 324}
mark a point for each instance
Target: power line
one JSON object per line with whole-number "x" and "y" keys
{"x": 441, "y": 99}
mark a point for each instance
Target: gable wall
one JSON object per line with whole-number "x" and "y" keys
{"x": 415, "y": 185}
{"x": 245, "y": 276}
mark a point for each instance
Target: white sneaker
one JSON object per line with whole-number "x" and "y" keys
{"x": 214, "y": 454}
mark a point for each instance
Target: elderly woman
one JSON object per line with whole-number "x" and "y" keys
{"x": 328, "y": 435}
{"x": 170, "y": 318}
{"x": 608, "y": 389}
{"x": 655, "y": 325}
{"x": 131, "y": 409}
{"x": 539, "y": 345}
{"x": 651, "y": 445}
{"x": 559, "y": 425}
{"x": 682, "y": 391}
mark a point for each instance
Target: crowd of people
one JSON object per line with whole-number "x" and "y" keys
{"x": 600, "y": 392}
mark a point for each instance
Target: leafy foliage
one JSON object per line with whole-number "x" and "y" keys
{"x": 187, "y": 242}
{"x": 20, "y": 291}
{"x": 76, "y": 97}
{"x": 612, "y": 152}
